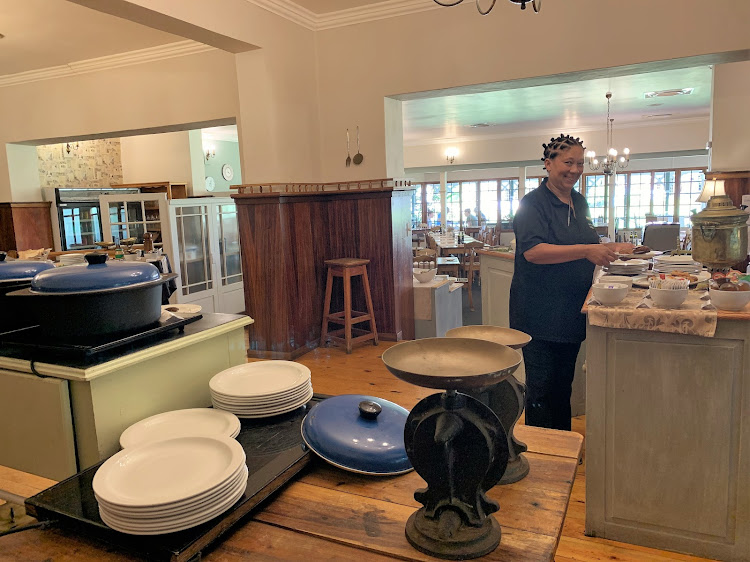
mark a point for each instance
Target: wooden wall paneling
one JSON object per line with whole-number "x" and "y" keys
{"x": 25, "y": 226}
{"x": 7, "y": 233}
{"x": 288, "y": 237}
{"x": 375, "y": 245}
{"x": 33, "y": 226}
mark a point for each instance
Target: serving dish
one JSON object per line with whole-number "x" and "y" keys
{"x": 610, "y": 294}
{"x": 729, "y": 300}
{"x": 101, "y": 298}
{"x": 642, "y": 280}
{"x": 668, "y": 298}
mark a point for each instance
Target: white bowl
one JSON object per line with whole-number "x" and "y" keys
{"x": 624, "y": 279}
{"x": 610, "y": 293}
{"x": 668, "y": 298}
{"x": 425, "y": 275}
{"x": 729, "y": 300}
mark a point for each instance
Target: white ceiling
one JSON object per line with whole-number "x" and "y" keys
{"x": 47, "y": 33}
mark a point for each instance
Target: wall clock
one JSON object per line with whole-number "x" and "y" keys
{"x": 210, "y": 183}
{"x": 227, "y": 172}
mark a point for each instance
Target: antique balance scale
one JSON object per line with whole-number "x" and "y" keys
{"x": 454, "y": 441}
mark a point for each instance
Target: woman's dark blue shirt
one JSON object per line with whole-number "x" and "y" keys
{"x": 546, "y": 300}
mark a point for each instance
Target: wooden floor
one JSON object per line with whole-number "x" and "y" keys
{"x": 363, "y": 372}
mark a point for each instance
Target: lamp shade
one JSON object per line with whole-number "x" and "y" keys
{"x": 711, "y": 188}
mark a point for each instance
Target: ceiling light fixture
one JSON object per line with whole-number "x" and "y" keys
{"x": 668, "y": 93}
{"x": 450, "y": 154}
{"x": 536, "y": 4}
{"x": 609, "y": 166}
{"x": 610, "y": 163}
{"x": 480, "y": 125}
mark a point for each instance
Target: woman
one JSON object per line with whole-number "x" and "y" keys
{"x": 557, "y": 250}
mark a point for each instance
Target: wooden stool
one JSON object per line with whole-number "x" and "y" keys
{"x": 346, "y": 268}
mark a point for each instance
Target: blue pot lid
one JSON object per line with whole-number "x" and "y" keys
{"x": 21, "y": 269}
{"x": 358, "y": 433}
{"x": 95, "y": 276}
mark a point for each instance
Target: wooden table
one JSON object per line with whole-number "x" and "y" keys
{"x": 449, "y": 265}
{"x": 448, "y": 244}
{"x": 329, "y": 514}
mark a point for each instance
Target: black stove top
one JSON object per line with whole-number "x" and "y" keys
{"x": 25, "y": 344}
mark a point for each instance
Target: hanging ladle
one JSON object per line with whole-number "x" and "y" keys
{"x": 348, "y": 157}
{"x": 358, "y": 157}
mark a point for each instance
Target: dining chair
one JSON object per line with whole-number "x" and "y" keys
{"x": 470, "y": 265}
{"x": 426, "y": 256}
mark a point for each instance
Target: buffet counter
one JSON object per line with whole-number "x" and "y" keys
{"x": 668, "y": 428}
{"x": 69, "y": 412}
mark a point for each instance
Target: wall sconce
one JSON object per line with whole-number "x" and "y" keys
{"x": 450, "y": 154}
{"x": 210, "y": 153}
{"x": 69, "y": 147}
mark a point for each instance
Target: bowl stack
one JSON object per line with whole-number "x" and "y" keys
{"x": 261, "y": 389}
{"x": 71, "y": 259}
{"x": 684, "y": 263}
{"x": 172, "y": 485}
{"x": 627, "y": 267}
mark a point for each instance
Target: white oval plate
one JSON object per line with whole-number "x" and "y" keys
{"x": 176, "y": 510}
{"x": 193, "y": 422}
{"x": 260, "y": 378}
{"x": 186, "y": 310}
{"x": 642, "y": 282}
{"x": 165, "y": 472}
{"x": 277, "y": 407}
{"x": 172, "y": 526}
{"x": 265, "y": 401}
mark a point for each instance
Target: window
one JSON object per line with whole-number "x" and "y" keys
{"x": 639, "y": 199}
{"x": 432, "y": 200}
{"x": 691, "y": 183}
{"x": 508, "y": 201}
{"x": 488, "y": 201}
{"x": 417, "y": 209}
{"x": 468, "y": 200}
{"x": 453, "y": 204}
{"x": 663, "y": 196}
{"x": 596, "y": 198}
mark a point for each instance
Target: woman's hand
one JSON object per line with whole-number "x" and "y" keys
{"x": 621, "y": 247}
{"x": 600, "y": 254}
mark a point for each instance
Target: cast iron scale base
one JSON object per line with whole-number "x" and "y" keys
{"x": 455, "y": 442}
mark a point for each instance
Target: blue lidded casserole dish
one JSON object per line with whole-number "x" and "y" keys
{"x": 99, "y": 299}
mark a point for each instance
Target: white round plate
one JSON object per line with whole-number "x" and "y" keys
{"x": 265, "y": 397}
{"x": 273, "y": 406}
{"x": 174, "y": 525}
{"x": 265, "y": 401}
{"x": 675, "y": 259}
{"x": 143, "y": 513}
{"x": 186, "y": 310}
{"x": 193, "y": 422}
{"x": 642, "y": 282}
{"x": 165, "y": 472}
{"x": 260, "y": 378}
{"x": 287, "y": 409}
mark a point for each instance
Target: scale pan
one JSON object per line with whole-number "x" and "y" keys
{"x": 504, "y": 336}
{"x": 451, "y": 363}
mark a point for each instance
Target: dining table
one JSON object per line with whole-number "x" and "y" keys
{"x": 330, "y": 514}
{"x": 448, "y": 244}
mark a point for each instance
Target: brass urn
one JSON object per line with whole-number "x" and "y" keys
{"x": 720, "y": 234}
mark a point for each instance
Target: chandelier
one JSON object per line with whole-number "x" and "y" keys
{"x": 536, "y": 4}
{"x": 610, "y": 162}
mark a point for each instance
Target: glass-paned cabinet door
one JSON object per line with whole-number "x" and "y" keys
{"x": 194, "y": 249}
{"x": 130, "y": 216}
{"x": 229, "y": 244}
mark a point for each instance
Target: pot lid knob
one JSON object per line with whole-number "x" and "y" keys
{"x": 94, "y": 258}
{"x": 369, "y": 409}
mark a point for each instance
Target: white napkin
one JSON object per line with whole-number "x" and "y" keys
{"x": 593, "y": 301}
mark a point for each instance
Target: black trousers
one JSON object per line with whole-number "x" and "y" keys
{"x": 550, "y": 367}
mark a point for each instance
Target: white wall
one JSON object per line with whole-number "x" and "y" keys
{"x": 160, "y": 157}
{"x": 731, "y": 116}
{"x": 160, "y": 94}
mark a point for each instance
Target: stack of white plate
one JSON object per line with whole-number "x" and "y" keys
{"x": 668, "y": 264}
{"x": 627, "y": 267}
{"x": 261, "y": 389}
{"x": 168, "y": 486}
{"x": 194, "y": 422}
{"x": 71, "y": 259}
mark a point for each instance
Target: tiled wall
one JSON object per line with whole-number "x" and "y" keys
{"x": 95, "y": 163}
